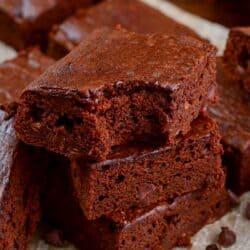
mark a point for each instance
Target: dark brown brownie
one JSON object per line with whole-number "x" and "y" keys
{"x": 21, "y": 178}
{"x": 117, "y": 87}
{"x": 17, "y": 73}
{"x": 25, "y": 23}
{"x": 236, "y": 58}
{"x": 227, "y": 12}
{"x": 131, "y": 14}
{"x": 161, "y": 226}
{"x": 139, "y": 176}
{"x": 21, "y": 167}
{"x": 233, "y": 115}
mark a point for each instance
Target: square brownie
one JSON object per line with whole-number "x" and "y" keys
{"x": 139, "y": 176}
{"x": 131, "y": 14}
{"x": 115, "y": 88}
{"x": 232, "y": 113}
{"x": 27, "y": 23}
{"x": 22, "y": 167}
{"x": 236, "y": 59}
{"x": 160, "y": 226}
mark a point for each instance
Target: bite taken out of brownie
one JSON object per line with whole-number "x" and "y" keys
{"x": 236, "y": 59}
{"x": 139, "y": 176}
{"x": 130, "y": 14}
{"x": 22, "y": 167}
{"x": 115, "y": 88}
{"x": 27, "y": 23}
{"x": 160, "y": 226}
{"x": 232, "y": 113}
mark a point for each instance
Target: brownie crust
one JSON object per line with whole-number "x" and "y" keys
{"x": 138, "y": 176}
{"x": 145, "y": 86}
{"x": 130, "y": 14}
{"x": 24, "y": 24}
{"x": 236, "y": 59}
{"x": 232, "y": 114}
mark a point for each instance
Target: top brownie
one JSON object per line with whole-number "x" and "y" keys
{"x": 117, "y": 87}
{"x": 236, "y": 58}
{"x": 26, "y": 22}
{"x": 133, "y": 15}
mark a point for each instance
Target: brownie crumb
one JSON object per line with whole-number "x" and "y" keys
{"x": 227, "y": 237}
{"x": 55, "y": 238}
{"x": 213, "y": 247}
{"x": 247, "y": 211}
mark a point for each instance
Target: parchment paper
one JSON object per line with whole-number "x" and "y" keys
{"x": 217, "y": 35}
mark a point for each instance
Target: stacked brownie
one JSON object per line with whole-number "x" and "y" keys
{"x": 232, "y": 112}
{"x": 133, "y": 15}
{"x": 22, "y": 167}
{"x": 127, "y": 112}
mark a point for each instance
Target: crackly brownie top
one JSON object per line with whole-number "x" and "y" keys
{"x": 17, "y": 73}
{"x": 108, "y": 58}
{"x": 232, "y": 112}
{"x": 131, "y": 14}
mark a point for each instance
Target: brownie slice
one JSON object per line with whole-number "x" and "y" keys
{"x": 131, "y": 14}
{"x": 161, "y": 226}
{"x": 17, "y": 73}
{"x": 26, "y": 23}
{"x": 236, "y": 58}
{"x": 21, "y": 178}
{"x": 117, "y": 87}
{"x": 22, "y": 167}
{"x": 139, "y": 176}
{"x": 232, "y": 113}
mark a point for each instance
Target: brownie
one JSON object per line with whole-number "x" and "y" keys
{"x": 139, "y": 176}
{"x": 232, "y": 114}
{"x": 21, "y": 167}
{"x": 160, "y": 226}
{"x": 26, "y": 23}
{"x": 236, "y": 59}
{"x": 131, "y": 14}
{"x": 226, "y": 12}
{"x": 17, "y": 73}
{"x": 21, "y": 180}
{"x": 115, "y": 88}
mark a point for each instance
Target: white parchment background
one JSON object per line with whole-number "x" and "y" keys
{"x": 216, "y": 34}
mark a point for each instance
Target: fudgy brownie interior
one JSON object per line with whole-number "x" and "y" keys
{"x": 138, "y": 176}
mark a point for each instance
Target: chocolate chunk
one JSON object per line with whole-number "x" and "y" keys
{"x": 213, "y": 247}
{"x": 247, "y": 211}
{"x": 227, "y": 237}
{"x": 55, "y": 238}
